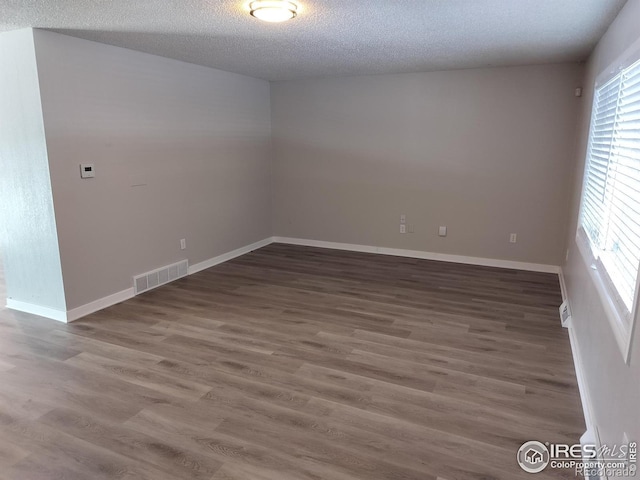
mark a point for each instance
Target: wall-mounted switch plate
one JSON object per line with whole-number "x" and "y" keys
{"x": 403, "y": 229}
{"x": 513, "y": 238}
{"x": 442, "y": 231}
{"x": 183, "y": 244}
{"x": 403, "y": 219}
{"x": 87, "y": 170}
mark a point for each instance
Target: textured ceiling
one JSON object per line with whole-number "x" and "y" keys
{"x": 332, "y": 37}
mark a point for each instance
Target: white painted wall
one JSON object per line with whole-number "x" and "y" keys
{"x": 198, "y": 139}
{"x": 486, "y": 152}
{"x": 614, "y": 388}
{"x": 27, "y": 225}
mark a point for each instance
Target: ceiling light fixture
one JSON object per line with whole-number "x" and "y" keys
{"x": 273, "y": 10}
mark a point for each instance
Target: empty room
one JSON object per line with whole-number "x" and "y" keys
{"x": 319, "y": 239}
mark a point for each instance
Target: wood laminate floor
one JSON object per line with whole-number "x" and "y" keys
{"x": 294, "y": 363}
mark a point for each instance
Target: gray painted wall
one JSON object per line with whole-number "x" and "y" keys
{"x": 482, "y": 151}
{"x": 486, "y": 152}
{"x": 27, "y": 225}
{"x": 613, "y": 386}
{"x": 197, "y": 138}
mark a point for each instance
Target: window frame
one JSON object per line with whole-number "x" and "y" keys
{"x": 623, "y": 328}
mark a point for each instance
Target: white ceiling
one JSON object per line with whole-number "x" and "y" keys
{"x": 332, "y": 37}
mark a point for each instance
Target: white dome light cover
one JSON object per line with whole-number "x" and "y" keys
{"x": 273, "y": 10}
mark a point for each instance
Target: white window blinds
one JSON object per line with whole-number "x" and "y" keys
{"x": 610, "y": 213}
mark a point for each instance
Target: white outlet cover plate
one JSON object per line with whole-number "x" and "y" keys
{"x": 87, "y": 170}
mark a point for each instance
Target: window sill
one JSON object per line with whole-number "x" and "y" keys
{"x": 621, "y": 329}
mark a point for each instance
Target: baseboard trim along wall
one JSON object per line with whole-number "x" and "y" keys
{"x": 52, "y": 313}
{"x": 591, "y": 435}
{"x": 123, "y": 295}
{"x": 582, "y": 380}
{"x": 442, "y": 257}
{"x": 109, "y": 300}
{"x": 99, "y": 304}
{"x": 225, "y": 257}
{"x": 118, "y": 297}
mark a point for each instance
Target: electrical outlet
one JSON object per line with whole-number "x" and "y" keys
{"x": 87, "y": 170}
{"x": 403, "y": 229}
{"x": 513, "y": 238}
{"x": 183, "y": 244}
{"x": 403, "y": 219}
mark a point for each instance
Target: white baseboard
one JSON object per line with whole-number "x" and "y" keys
{"x": 99, "y": 304}
{"x": 585, "y": 397}
{"x": 581, "y": 377}
{"x": 591, "y": 434}
{"x": 52, "y": 313}
{"x": 442, "y": 257}
{"x": 563, "y": 285}
{"x": 123, "y": 295}
{"x": 225, "y": 257}
{"x": 114, "y": 298}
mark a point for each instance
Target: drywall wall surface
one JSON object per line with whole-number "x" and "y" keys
{"x": 614, "y": 387}
{"x": 28, "y": 238}
{"x": 485, "y": 152}
{"x": 180, "y": 151}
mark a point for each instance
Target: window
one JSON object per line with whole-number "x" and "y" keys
{"x": 610, "y": 210}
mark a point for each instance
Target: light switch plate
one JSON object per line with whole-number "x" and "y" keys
{"x": 442, "y": 231}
